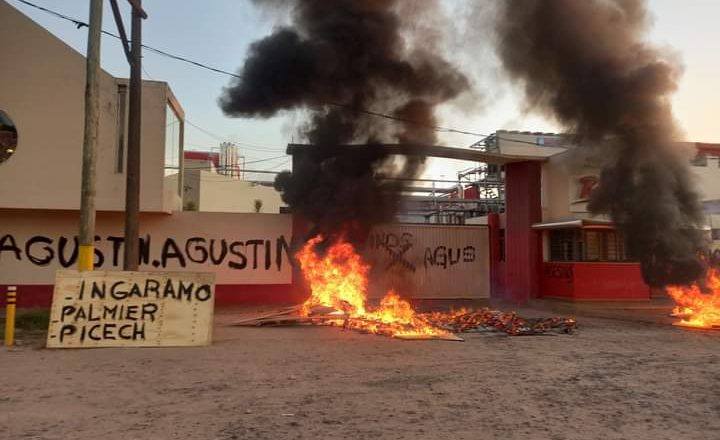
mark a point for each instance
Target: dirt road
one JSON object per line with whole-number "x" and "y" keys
{"x": 611, "y": 380}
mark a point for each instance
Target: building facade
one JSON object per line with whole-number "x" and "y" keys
{"x": 546, "y": 237}
{"x": 213, "y": 182}
{"x": 41, "y": 135}
{"x": 42, "y": 96}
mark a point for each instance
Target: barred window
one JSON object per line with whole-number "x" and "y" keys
{"x": 587, "y": 245}
{"x": 566, "y": 245}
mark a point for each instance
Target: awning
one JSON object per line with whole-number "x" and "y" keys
{"x": 574, "y": 224}
{"x": 584, "y": 224}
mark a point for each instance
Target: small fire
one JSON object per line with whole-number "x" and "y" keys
{"x": 338, "y": 280}
{"x": 695, "y": 308}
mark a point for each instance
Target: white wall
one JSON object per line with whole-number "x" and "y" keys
{"x": 244, "y": 246}
{"x": 560, "y": 173}
{"x": 210, "y": 192}
{"x": 528, "y": 144}
{"x": 42, "y": 88}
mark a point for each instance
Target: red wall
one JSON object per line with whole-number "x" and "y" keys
{"x": 523, "y": 255}
{"x": 594, "y": 281}
{"x": 497, "y": 267}
{"x": 40, "y": 295}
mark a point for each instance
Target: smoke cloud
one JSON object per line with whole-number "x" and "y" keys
{"x": 336, "y": 59}
{"x": 585, "y": 63}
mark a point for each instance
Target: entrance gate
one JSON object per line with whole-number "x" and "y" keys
{"x": 429, "y": 261}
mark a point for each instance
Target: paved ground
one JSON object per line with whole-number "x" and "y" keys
{"x": 612, "y": 380}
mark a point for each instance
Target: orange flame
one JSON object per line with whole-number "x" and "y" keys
{"x": 695, "y": 308}
{"x": 339, "y": 280}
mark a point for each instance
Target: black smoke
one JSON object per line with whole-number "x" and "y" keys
{"x": 586, "y": 64}
{"x": 338, "y": 59}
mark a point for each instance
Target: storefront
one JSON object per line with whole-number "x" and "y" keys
{"x": 586, "y": 260}
{"x": 547, "y": 244}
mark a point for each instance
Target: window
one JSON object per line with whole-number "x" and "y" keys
{"x": 594, "y": 246}
{"x": 121, "y": 127}
{"x": 587, "y": 245}
{"x": 715, "y": 234}
{"x": 566, "y": 245}
{"x": 615, "y": 246}
{"x": 172, "y": 141}
{"x": 8, "y": 137}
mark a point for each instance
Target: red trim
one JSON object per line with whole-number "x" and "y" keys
{"x": 706, "y": 148}
{"x": 497, "y": 267}
{"x": 523, "y": 256}
{"x": 203, "y": 155}
{"x": 594, "y": 282}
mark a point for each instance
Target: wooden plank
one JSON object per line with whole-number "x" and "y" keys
{"x": 417, "y": 337}
{"x": 249, "y": 320}
{"x": 131, "y": 309}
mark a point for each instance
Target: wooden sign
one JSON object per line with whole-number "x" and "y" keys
{"x": 131, "y": 309}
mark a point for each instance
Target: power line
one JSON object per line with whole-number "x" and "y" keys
{"x": 265, "y": 160}
{"x": 242, "y": 170}
{"x": 252, "y": 147}
{"x": 282, "y": 164}
{"x": 79, "y": 24}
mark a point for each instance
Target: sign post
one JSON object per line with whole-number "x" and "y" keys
{"x": 131, "y": 309}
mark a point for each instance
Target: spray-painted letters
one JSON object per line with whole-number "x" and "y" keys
{"x": 122, "y": 309}
{"x": 431, "y": 261}
{"x": 253, "y": 254}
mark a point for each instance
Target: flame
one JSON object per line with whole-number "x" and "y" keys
{"x": 695, "y": 308}
{"x": 338, "y": 279}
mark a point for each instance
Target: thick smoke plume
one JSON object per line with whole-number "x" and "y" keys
{"x": 586, "y": 64}
{"x": 337, "y": 59}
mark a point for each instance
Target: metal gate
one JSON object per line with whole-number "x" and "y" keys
{"x": 429, "y": 261}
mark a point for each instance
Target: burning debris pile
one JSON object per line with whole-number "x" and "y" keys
{"x": 486, "y": 319}
{"x": 338, "y": 280}
{"x": 696, "y": 308}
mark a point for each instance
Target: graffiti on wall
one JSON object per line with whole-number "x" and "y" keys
{"x": 398, "y": 245}
{"x": 239, "y": 248}
{"x": 41, "y": 250}
{"x": 559, "y": 271}
{"x": 429, "y": 261}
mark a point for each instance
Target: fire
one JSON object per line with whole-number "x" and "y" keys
{"x": 695, "y": 308}
{"x": 338, "y": 279}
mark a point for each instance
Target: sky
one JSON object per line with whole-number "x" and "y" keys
{"x": 218, "y": 33}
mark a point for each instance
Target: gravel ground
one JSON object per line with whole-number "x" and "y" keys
{"x": 611, "y": 380}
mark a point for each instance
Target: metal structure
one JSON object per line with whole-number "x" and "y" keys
{"x": 478, "y": 191}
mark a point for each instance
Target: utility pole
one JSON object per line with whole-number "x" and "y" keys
{"x": 132, "y": 183}
{"x": 86, "y": 254}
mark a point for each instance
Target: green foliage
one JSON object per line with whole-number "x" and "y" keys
{"x": 28, "y": 321}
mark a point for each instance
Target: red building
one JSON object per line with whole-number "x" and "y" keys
{"x": 547, "y": 245}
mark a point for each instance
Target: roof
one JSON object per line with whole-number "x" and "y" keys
{"x": 574, "y": 223}
{"x": 203, "y": 155}
{"x": 421, "y": 150}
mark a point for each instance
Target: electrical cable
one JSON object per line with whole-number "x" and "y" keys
{"x": 79, "y": 24}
